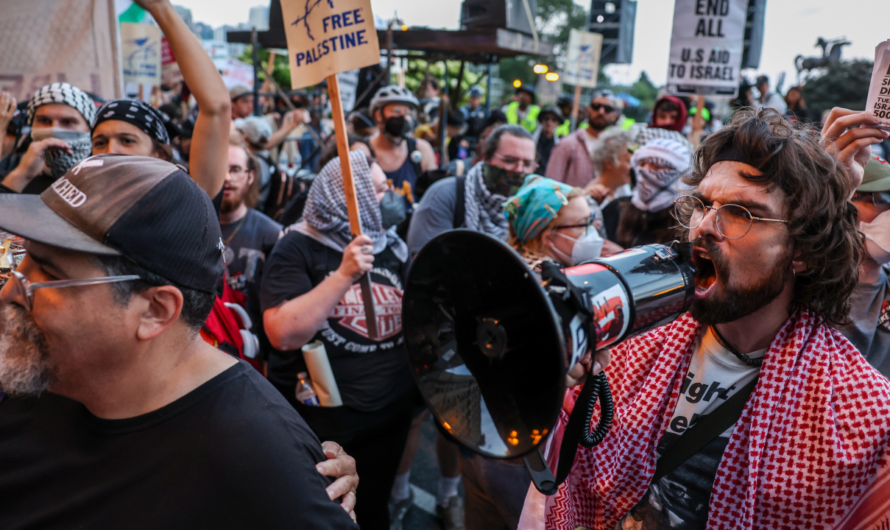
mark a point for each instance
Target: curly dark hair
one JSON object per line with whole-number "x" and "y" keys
{"x": 822, "y": 222}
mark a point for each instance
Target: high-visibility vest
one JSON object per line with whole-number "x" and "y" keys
{"x": 564, "y": 129}
{"x": 530, "y": 122}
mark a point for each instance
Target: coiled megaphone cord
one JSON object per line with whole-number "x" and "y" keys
{"x": 599, "y": 389}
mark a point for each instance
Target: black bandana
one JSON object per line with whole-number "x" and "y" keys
{"x": 149, "y": 119}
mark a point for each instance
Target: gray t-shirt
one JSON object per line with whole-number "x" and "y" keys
{"x": 434, "y": 214}
{"x": 870, "y": 316}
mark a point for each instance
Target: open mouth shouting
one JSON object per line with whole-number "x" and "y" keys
{"x": 706, "y": 273}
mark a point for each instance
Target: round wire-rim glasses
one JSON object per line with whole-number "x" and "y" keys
{"x": 733, "y": 220}
{"x": 24, "y": 289}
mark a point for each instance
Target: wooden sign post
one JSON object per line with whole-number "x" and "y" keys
{"x": 323, "y": 41}
{"x": 355, "y": 224}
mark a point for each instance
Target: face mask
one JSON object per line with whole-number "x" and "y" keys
{"x": 877, "y": 237}
{"x": 587, "y": 247}
{"x": 396, "y": 126}
{"x": 655, "y": 189}
{"x": 500, "y": 181}
{"x": 392, "y": 209}
{"x": 58, "y": 160}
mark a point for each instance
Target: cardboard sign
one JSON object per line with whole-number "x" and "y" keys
{"x": 583, "y": 61}
{"x": 170, "y": 73}
{"x": 141, "y": 46}
{"x": 348, "y": 87}
{"x": 234, "y": 72}
{"x": 706, "y": 47}
{"x": 878, "y": 102}
{"x": 49, "y": 41}
{"x": 326, "y": 37}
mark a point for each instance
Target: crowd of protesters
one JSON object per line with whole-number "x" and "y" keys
{"x": 176, "y": 395}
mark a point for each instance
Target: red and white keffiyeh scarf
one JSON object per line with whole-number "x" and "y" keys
{"x": 812, "y": 439}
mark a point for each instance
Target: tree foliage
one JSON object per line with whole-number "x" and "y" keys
{"x": 844, "y": 84}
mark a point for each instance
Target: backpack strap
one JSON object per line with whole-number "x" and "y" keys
{"x": 412, "y": 146}
{"x": 460, "y": 207}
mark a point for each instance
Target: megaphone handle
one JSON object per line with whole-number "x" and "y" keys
{"x": 577, "y": 432}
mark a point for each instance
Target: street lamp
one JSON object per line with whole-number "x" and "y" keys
{"x": 517, "y": 83}
{"x": 552, "y": 76}
{"x": 540, "y": 69}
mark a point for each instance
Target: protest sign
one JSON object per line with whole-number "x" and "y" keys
{"x": 323, "y": 41}
{"x": 583, "y": 61}
{"x": 706, "y": 47}
{"x": 48, "y": 41}
{"x": 878, "y": 102}
{"x": 170, "y": 72}
{"x": 348, "y": 87}
{"x": 234, "y": 72}
{"x": 141, "y": 50}
{"x": 326, "y": 37}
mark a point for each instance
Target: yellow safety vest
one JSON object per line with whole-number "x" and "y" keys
{"x": 564, "y": 129}
{"x": 530, "y": 122}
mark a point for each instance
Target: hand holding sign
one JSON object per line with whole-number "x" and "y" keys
{"x": 324, "y": 38}
{"x": 878, "y": 103}
{"x": 848, "y": 136}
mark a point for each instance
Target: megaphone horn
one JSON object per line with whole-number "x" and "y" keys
{"x": 489, "y": 341}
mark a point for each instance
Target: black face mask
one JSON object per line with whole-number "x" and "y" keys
{"x": 396, "y": 126}
{"x": 392, "y": 209}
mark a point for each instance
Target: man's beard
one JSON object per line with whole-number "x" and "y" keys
{"x": 738, "y": 302}
{"x": 598, "y": 123}
{"x": 232, "y": 203}
{"x": 24, "y": 357}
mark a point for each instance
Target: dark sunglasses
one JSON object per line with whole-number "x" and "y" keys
{"x": 607, "y": 108}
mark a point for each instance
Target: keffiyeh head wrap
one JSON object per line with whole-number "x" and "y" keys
{"x": 657, "y": 189}
{"x": 62, "y": 93}
{"x": 326, "y": 212}
{"x": 535, "y": 206}
{"x": 148, "y": 119}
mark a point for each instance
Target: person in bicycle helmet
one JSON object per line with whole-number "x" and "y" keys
{"x": 401, "y": 157}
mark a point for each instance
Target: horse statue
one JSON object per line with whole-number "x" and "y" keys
{"x": 831, "y": 56}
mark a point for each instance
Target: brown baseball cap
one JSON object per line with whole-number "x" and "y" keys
{"x": 145, "y": 209}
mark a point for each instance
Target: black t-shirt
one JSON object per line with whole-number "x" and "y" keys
{"x": 370, "y": 374}
{"x": 231, "y": 454}
{"x": 248, "y": 242}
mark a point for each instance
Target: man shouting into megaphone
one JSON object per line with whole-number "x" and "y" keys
{"x": 751, "y": 411}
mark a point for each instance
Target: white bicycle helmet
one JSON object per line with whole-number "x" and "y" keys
{"x": 393, "y": 94}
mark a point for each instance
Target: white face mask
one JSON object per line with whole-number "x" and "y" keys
{"x": 877, "y": 237}
{"x": 587, "y": 247}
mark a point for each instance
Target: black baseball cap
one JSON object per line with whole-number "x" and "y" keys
{"x": 145, "y": 209}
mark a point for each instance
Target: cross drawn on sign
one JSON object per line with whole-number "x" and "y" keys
{"x": 305, "y": 18}
{"x": 148, "y": 52}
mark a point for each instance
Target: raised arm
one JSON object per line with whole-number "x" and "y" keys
{"x": 210, "y": 141}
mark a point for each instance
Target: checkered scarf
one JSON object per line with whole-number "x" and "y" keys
{"x": 326, "y": 212}
{"x": 62, "y": 93}
{"x": 484, "y": 209}
{"x": 810, "y": 442}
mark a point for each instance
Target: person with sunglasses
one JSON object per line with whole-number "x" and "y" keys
{"x": 750, "y": 411}
{"x": 570, "y": 160}
{"x": 869, "y": 327}
{"x": 114, "y": 412}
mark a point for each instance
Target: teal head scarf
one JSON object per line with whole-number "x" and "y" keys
{"x": 535, "y": 205}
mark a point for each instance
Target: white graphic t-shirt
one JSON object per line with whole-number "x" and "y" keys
{"x": 680, "y": 499}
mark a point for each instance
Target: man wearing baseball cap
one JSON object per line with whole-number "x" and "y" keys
{"x": 869, "y": 329}
{"x": 242, "y": 101}
{"x": 145, "y": 425}
{"x": 59, "y": 115}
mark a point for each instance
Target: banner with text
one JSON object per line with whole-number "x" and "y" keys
{"x": 706, "y": 47}
{"x": 878, "y": 102}
{"x": 326, "y": 37}
{"x": 583, "y": 61}
{"x": 170, "y": 72}
{"x": 48, "y": 41}
{"x": 141, "y": 47}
